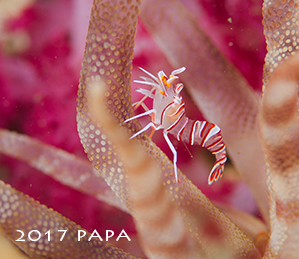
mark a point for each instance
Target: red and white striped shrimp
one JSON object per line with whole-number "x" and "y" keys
{"x": 168, "y": 114}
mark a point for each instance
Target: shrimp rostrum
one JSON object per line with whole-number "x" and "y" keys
{"x": 168, "y": 114}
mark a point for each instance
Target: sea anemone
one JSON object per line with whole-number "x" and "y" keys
{"x": 172, "y": 219}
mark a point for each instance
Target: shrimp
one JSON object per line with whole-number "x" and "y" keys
{"x": 168, "y": 114}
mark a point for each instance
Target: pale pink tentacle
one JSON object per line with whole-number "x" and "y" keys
{"x": 279, "y": 127}
{"x": 18, "y": 211}
{"x": 159, "y": 214}
{"x": 59, "y": 164}
{"x": 278, "y": 123}
{"x": 281, "y": 29}
{"x": 108, "y": 56}
{"x": 219, "y": 90}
